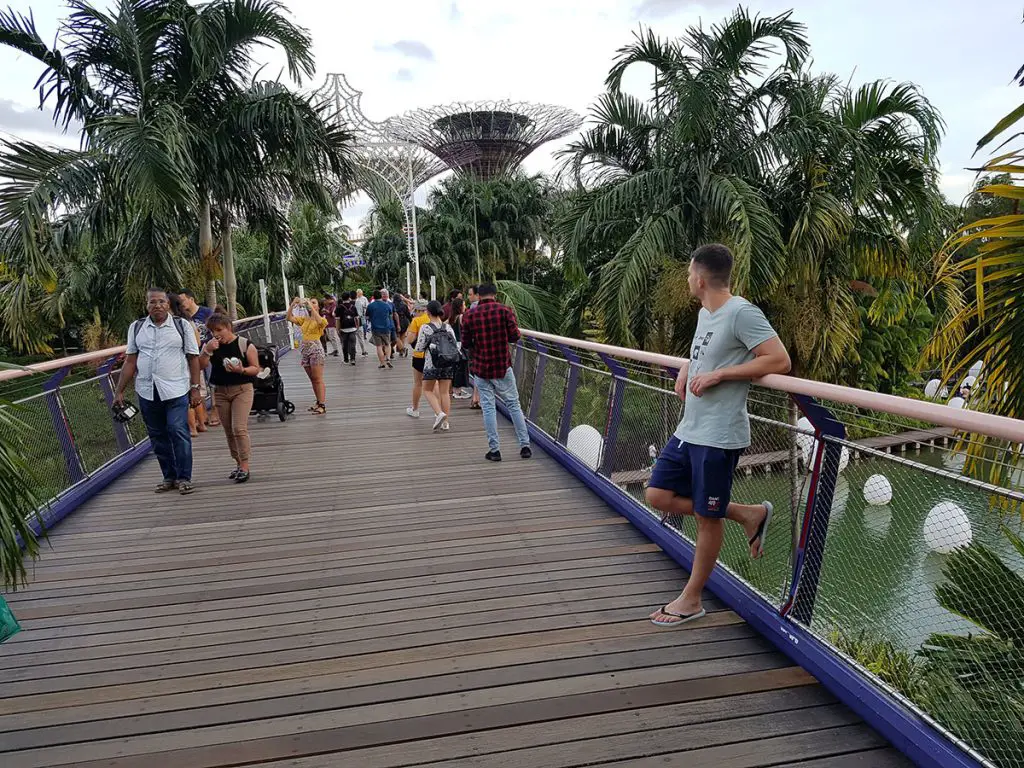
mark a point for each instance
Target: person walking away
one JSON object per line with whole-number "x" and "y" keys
{"x": 311, "y": 353}
{"x": 437, "y": 340}
{"x": 197, "y": 418}
{"x": 330, "y": 305}
{"x": 453, "y": 294}
{"x": 199, "y": 314}
{"x": 348, "y": 321}
{"x": 235, "y": 362}
{"x": 474, "y": 299}
{"x": 393, "y": 330}
{"x": 419, "y": 319}
{"x": 488, "y": 330}
{"x": 163, "y": 359}
{"x": 379, "y": 314}
{"x": 361, "y": 302}
{"x": 404, "y": 315}
{"x": 733, "y": 343}
{"x": 460, "y": 382}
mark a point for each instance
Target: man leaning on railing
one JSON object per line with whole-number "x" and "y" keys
{"x": 162, "y": 350}
{"x": 733, "y": 344}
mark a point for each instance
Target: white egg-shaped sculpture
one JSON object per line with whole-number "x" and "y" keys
{"x": 931, "y": 389}
{"x": 947, "y": 528}
{"x": 804, "y": 441}
{"x": 969, "y": 381}
{"x": 808, "y": 452}
{"x": 586, "y": 444}
{"x": 956, "y": 403}
{"x": 878, "y": 490}
{"x": 975, "y": 370}
{"x": 944, "y": 393}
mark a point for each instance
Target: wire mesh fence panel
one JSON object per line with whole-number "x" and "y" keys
{"x": 91, "y": 423}
{"x": 921, "y": 581}
{"x": 552, "y": 395}
{"x": 649, "y": 418}
{"x": 43, "y": 450}
{"x": 526, "y": 381}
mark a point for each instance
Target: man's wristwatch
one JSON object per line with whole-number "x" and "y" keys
{"x": 195, "y": 387}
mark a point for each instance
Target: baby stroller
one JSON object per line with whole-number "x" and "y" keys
{"x": 268, "y": 388}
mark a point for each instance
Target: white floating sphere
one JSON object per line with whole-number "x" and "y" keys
{"x": 803, "y": 441}
{"x": 944, "y": 393}
{"x": 878, "y": 490}
{"x": 931, "y": 389}
{"x": 809, "y": 450}
{"x": 947, "y": 528}
{"x": 975, "y": 369}
{"x": 956, "y": 403}
{"x": 586, "y": 444}
{"x": 969, "y": 381}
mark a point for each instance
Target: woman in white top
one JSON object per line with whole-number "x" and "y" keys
{"x": 437, "y": 379}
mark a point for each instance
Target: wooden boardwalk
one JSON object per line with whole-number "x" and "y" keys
{"x": 378, "y": 595}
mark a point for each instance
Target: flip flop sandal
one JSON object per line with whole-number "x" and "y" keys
{"x": 677, "y": 619}
{"x": 762, "y": 531}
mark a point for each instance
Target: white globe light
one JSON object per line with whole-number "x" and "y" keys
{"x": 956, "y": 403}
{"x": 975, "y": 369}
{"x": 947, "y": 528}
{"x": 586, "y": 444}
{"x": 931, "y": 389}
{"x": 878, "y": 490}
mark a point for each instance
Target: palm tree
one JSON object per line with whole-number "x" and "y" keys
{"x": 817, "y": 187}
{"x": 169, "y": 120}
{"x": 18, "y": 501}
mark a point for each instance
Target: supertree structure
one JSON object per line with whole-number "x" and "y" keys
{"x": 384, "y": 167}
{"x": 483, "y": 139}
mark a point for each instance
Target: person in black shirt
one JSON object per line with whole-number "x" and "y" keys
{"x": 347, "y": 315}
{"x": 234, "y": 364}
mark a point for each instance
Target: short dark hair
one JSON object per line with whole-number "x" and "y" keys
{"x": 434, "y": 308}
{"x": 715, "y": 260}
{"x": 453, "y": 293}
{"x": 218, "y": 321}
{"x": 187, "y": 292}
{"x": 474, "y": 289}
{"x": 377, "y": 294}
{"x": 487, "y": 289}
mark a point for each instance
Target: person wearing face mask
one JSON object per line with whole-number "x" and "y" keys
{"x": 235, "y": 363}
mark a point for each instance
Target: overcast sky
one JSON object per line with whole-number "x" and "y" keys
{"x": 408, "y": 53}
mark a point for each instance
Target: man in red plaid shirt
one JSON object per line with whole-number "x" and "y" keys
{"x": 487, "y": 331}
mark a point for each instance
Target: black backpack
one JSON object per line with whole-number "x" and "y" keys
{"x": 444, "y": 352}
{"x": 179, "y": 326}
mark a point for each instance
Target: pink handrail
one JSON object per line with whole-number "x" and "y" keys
{"x": 988, "y": 424}
{"x": 83, "y": 358}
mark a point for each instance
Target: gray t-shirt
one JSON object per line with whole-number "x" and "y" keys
{"x": 725, "y": 337}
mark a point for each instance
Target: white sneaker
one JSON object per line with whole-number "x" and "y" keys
{"x": 462, "y": 395}
{"x": 439, "y": 420}
{"x": 410, "y": 412}
{"x": 445, "y": 427}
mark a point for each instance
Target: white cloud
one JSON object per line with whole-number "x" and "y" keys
{"x": 414, "y": 49}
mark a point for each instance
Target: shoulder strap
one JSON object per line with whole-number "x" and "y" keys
{"x": 133, "y": 331}
{"x": 179, "y": 325}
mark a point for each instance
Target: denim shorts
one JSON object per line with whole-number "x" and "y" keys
{"x": 698, "y": 472}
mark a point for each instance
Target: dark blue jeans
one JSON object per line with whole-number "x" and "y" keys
{"x": 167, "y": 425}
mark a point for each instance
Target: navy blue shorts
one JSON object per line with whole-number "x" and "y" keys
{"x": 697, "y": 472}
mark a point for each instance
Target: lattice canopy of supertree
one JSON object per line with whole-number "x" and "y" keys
{"x": 382, "y": 169}
{"x": 483, "y": 139}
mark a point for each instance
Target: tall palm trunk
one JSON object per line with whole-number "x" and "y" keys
{"x": 206, "y": 252}
{"x": 230, "y": 286}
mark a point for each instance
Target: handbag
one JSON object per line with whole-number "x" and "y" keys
{"x": 9, "y": 625}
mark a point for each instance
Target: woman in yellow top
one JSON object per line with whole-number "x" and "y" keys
{"x": 419, "y": 319}
{"x": 311, "y": 351}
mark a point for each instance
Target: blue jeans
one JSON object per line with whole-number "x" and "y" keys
{"x": 505, "y": 388}
{"x": 167, "y": 425}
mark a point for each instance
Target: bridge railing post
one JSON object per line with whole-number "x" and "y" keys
{"x": 572, "y": 384}
{"x": 611, "y": 432}
{"x": 810, "y": 550}
{"x": 124, "y": 440}
{"x": 61, "y": 426}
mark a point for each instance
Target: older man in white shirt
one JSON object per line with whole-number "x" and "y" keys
{"x": 162, "y": 351}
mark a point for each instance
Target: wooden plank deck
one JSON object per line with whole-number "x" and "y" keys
{"x": 378, "y": 595}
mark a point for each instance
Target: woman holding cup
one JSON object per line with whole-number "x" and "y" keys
{"x": 235, "y": 363}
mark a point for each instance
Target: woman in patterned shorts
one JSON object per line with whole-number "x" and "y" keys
{"x": 311, "y": 351}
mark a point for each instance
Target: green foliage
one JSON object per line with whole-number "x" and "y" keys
{"x": 888, "y": 354}
{"x": 19, "y": 501}
{"x": 814, "y": 184}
